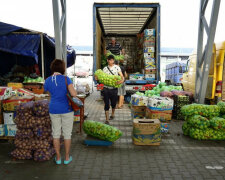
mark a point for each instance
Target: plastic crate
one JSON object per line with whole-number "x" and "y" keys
{"x": 91, "y": 141}
{"x": 178, "y": 69}
{"x": 177, "y": 78}
{"x": 100, "y": 87}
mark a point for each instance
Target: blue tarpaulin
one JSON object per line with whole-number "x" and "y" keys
{"x": 8, "y": 28}
{"x": 24, "y": 49}
{"x": 21, "y": 44}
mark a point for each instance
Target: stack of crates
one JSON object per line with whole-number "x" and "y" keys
{"x": 179, "y": 102}
{"x": 149, "y": 54}
{"x": 174, "y": 72}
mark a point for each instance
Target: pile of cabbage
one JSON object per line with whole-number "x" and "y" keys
{"x": 104, "y": 58}
{"x": 162, "y": 88}
{"x": 117, "y": 57}
{"x": 204, "y": 122}
{"x": 108, "y": 80}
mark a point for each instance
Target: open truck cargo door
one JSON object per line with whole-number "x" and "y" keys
{"x": 126, "y": 22}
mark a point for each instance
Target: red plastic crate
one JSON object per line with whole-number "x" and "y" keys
{"x": 100, "y": 87}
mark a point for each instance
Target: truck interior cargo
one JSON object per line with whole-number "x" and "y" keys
{"x": 126, "y": 22}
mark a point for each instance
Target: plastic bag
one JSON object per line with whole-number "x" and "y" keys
{"x": 44, "y": 154}
{"x": 198, "y": 121}
{"x": 207, "y": 134}
{"x": 41, "y": 108}
{"x": 221, "y": 104}
{"x": 166, "y": 94}
{"x": 101, "y": 131}
{"x": 42, "y": 132}
{"x": 81, "y": 89}
{"x": 24, "y": 133}
{"x": 208, "y": 111}
{"x": 21, "y": 154}
{"x": 218, "y": 123}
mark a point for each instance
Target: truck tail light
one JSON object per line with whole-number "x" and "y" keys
{"x": 135, "y": 88}
{"x": 219, "y": 87}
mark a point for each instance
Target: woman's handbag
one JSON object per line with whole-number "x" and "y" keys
{"x": 74, "y": 102}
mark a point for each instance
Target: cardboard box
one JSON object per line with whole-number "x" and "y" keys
{"x": 160, "y": 103}
{"x": 149, "y": 55}
{"x": 149, "y": 49}
{"x": 2, "y": 130}
{"x": 1, "y": 114}
{"x": 149, "y": 32}
{"x": 5, "y": 93}
{"x": 149, "y": 77}
{"x": 148, "y": 43}
{"x": 15, "y": 85}
{"x": 138, "y": 112}
{"x": 9, "y": 117}
{"x": 12, "y": 103}
{"x": 137, "y": 115}
{"x": 10, "y": 129}
{"x": 150, "y": 63}
{"x": 136, "y": 77}
{"x": 146, "y": 132}
{"x": 137, "y": 100}
{"x": 149, "y": 39}
{"x": 162, "y": 115}
{"x": 150, "y": 71}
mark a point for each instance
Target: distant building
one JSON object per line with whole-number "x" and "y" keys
{"x": 168, "y": 55}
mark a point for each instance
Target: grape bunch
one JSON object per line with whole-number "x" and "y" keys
{"x": 108, "y": 80}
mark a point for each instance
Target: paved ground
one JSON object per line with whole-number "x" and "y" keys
{"x": 178, "y": 156}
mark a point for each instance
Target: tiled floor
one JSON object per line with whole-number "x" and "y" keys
{"x": 178, "y": 156}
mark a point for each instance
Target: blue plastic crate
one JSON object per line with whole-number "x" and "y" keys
{"x": 177, "y": 78}
{"x": 179, "y": 69}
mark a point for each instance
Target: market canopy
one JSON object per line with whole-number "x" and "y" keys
{"x": 22, "y": 46}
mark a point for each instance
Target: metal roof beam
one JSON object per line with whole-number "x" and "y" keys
{"x": 135, "y": 18}
{"x": 124, "y": 13}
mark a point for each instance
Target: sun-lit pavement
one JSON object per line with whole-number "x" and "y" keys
{"x": 178, "y": 156}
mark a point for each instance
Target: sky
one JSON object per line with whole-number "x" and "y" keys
{"x": 179, "y": 20}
